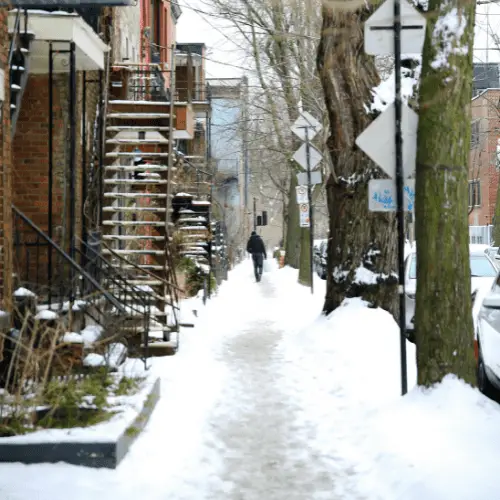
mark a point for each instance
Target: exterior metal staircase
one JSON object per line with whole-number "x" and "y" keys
{"x": 18, "y": 63}
{"x": 138, "y": 179}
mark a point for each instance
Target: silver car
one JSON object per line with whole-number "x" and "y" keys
{"x": 483, "y": 271}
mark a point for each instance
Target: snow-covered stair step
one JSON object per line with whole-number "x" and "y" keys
{"x": 133, "y": 252}
{"x": 137, "y": 142}
{"x": 193, "y": 252}
{"x": 119, "y": 237}
{"x": 193, "y": 228}
{"x": 135, "y": 128}
{"x": 201, "y": 203}
{"x": 116, "y": 194}
{"x": 132, "y": 154}
{"x": 195, "y": 243}
{"x": 134, "y": 209}
{"x": 138, "y": 116}
{"x": 136, "y": 181}
{"x": 193, "y": 219}
{"x": 138, "y": 168}
{"x": 197, "y": 236}
{"x": 146, "y": 267}
{"x": 136, "y": 223}
{"x": 149, "y": 282}
{"x": 121, "y": 102}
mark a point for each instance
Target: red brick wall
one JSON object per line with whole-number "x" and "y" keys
{"x": 482, "y": 158}
{"x": 31, "y": 153}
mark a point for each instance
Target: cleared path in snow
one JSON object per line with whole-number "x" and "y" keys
{"x": 228, "y": 425}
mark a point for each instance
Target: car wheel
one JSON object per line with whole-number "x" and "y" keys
{"x": 483, "y": 383}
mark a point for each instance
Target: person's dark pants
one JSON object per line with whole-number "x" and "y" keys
{"x": 258, "y": 262}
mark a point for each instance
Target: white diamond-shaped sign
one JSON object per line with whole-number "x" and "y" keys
{"x": 379, "y": 32}
{"x": 300, "y": 157}
{"x": 377, "y": 140}
{"x": 306, "y": 120}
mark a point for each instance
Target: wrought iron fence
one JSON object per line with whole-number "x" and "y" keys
{"x": 94, "y": 286}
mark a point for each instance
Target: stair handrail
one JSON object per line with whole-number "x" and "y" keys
{"x": 16, "y": 30}
{"x": 109, "y": 297}
{"x": 145, "y": 271}
{"x": 118, "y": 279}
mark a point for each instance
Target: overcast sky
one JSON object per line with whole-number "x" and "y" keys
{"x": 224, "y": 59}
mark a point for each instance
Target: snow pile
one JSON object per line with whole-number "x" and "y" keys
{"x": 47, "y": 315}
{"x": 435, "y": 444}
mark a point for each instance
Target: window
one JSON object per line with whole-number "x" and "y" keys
{"x": 481, "y": 267}
{"x": 475, "y": 193}
{"x": 498, "y": 155}
{"x": 474, "y": 138}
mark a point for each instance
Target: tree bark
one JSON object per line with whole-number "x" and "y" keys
{"x": 443, "y": 319}
{"x": 362, "y": 249}
{"x": 305, "y": 257}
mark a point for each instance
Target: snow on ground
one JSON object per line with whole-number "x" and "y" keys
{"x": 267, "y": 399}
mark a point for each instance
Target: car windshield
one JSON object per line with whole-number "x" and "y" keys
{"x": 480, "y": 267}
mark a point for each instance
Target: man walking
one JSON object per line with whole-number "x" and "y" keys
{"x": 256, "y": 248}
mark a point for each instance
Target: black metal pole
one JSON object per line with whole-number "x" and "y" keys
{"x": 255, "y": 214}
{"x": 309, "y": 197}
{"x": 84, "y": 164}
{"x": 51, "y": 168}
{"x": 72, "y": 159}
{"x": 400, "y": 193}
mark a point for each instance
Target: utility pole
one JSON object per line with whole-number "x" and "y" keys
{"x": 400, "y": 183}
{"x": 255, "y": 214}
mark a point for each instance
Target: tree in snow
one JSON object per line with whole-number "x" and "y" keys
{"x": 362, "y": 245}
{"x": 280, "y": 36}
{"x": 443, "y": 319}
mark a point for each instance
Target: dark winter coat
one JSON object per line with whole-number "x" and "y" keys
{"x": 255, "y": 245}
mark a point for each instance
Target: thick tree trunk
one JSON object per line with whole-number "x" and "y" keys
{"x": 292, "y": 244}
{"x": 362, "y": 244}
{"x": 443, "y": 319}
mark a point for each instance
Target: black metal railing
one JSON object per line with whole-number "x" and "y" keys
{"x": 95, "y": 286}
{"x": 196, "y": 92}
{"x": 147, "y": 83}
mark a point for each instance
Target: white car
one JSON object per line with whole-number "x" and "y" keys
{"x": 487, "y": 340}
{"x": 483, "y": 273}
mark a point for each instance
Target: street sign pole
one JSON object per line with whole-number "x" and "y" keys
{"x": 255, "y": 214}
{"x": 400, "y": 193}
{"x": 311, "y": 210}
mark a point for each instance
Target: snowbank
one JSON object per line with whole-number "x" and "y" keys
{"x": 436, "y": 444}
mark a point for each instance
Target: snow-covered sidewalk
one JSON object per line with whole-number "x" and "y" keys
{"x": 269, "y": 400}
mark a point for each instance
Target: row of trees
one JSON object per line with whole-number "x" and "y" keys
{"x": 308, "y": 54}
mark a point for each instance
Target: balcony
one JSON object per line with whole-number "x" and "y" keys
{"x": 61, "y": 28}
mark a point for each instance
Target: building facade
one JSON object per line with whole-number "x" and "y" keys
{"x": 484, "y": 160}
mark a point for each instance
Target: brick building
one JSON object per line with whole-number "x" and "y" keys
{"x": 484, "y": 161}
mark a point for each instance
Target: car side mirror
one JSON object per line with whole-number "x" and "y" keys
{"x": 492, "y": 301}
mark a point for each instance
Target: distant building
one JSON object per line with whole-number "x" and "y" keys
{"x": 484, "y": 159}
{"x": 229, "y": 152}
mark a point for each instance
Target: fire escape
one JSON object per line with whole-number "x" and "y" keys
{"x": 137, "y": 193}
